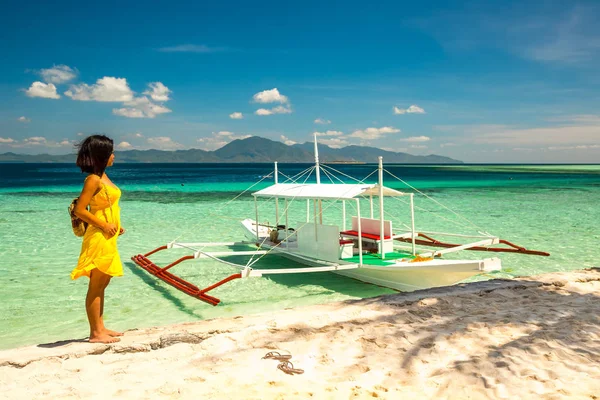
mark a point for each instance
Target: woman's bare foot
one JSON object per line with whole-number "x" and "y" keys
{"x": 103, "y": 338}
{"x": 113, "y": 333}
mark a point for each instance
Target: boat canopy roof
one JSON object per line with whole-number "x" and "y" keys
{"x": 337, "y": 191}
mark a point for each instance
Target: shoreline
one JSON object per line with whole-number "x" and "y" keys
{"x": 530, "y": 337}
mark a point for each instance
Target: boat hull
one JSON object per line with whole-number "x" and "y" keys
{"x": 423, "y": 275}
{"x": 403, "y": 275}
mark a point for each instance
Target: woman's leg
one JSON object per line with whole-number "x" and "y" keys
{"x": 93, "y": 307}
{"x": 110, "y": 332}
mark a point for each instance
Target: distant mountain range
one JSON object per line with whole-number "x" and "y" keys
{"x": 252, "y": 149}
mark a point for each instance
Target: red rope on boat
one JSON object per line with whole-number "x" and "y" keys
{"x": 514, "y": 248}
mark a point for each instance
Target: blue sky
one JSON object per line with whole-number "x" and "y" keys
{"x": 477, "y": 81}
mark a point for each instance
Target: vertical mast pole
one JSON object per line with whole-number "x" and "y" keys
{"x": 286, "y": 223}
{"x": 256, "y": 215}
{"x": 318, "y": 174}
{"x": 360, "y": 255}
{"x": 276, "y": 198}
{"x": 315, "y": 217}
{"x": 343, "y": 215}
{"x": 307, "y": 210}
{"x": 317, "y": 170}
{"x": 412, "y": 221}
{"x": 381, "y": 215}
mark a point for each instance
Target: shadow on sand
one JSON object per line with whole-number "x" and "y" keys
{"x": 61, "y": 343}
{"x": 511, "y": 324}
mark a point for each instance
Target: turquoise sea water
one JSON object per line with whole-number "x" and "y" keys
{"x": 552, "y": 208}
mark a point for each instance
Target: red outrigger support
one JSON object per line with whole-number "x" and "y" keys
{"x": 178, "y": 283}
{"x": 429, "y": 241}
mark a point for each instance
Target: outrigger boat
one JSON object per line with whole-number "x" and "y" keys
{"x": 370, "y": 249}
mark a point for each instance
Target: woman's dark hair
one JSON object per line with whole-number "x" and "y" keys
{"x": 93, "y": 154}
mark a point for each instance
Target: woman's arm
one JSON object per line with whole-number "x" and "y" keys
{"x": 90, "y": 187}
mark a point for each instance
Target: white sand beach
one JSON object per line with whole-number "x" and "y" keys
{"x": 528, "y": 338}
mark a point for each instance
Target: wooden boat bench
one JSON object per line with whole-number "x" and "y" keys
{"x": 370, "y": 232}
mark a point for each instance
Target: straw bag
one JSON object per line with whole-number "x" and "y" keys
{"x": 80, "y": 226}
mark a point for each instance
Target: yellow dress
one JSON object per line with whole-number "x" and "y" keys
{"x": 98, "y": 250}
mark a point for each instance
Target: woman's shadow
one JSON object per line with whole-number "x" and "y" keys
{"x": 62, "y": 343}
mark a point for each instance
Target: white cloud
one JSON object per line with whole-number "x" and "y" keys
{"x": 588, "y": 119}
{"x": 58, "y": 74}
{"x": 263, "y": 111}
{"x": 35, "y": 140}
{"x": 138, "y": 135}
{"x": 418, "y": 146}
{"x": 334, "y": 142}
{"x": 322, "y": 121}
{"x": 270, "y": 96}
{"x": 79, "y": 133}
{"x": 110, "y": 89}
{"x": 158, "y": 92}
{"x": 23, "y": 119}
{"x": 287, "y": 140}
{"x": 329, "y": 133}
{"x": 576, "y": 134}
{"x": 568, "y": 38}
{"x": 164, "y": 143}
{"x": 128, "y": 112}
{"x": 447, "y": 145}
{"x": 105, "y": 89}
{"x": 569, "y": 134}
{"x": 579, "y": 147}
{"x": 281, "y": 110}
{"x": 415, "y": 110}
{"x": 41, "y": 89}
{"x": 374, "y": 133}
{"x": 192, "y": 48}
{"x": 274, "y": 110}
{"x": 416, "y": 139}
{"x": 236, "y": 115}
{"x": 410, "y": 110}
{"x": 225, "y": 133}
{"x": 124, "y": 145}
{"x": 141, "y": 107}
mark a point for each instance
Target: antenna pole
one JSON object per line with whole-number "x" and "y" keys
{"x": 381, "y": 215}
{"x": 412, "y": 222}
{"x": 318, "y": 174}
{"x": 317, "y": 170}
{"x": 276, "y": 198}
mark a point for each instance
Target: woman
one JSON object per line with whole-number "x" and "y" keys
{"x": 99, "y": 259}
